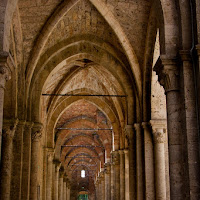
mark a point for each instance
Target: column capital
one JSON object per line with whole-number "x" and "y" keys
{"x": 129, "y": 127}
{"x": 50, "y": 154}
{"x": 101, "y": 175}
{"x": 128, "y": 130}
{"x": 65, "y": 178}
{"x": 121, "y": 151}
{"x": 158, "y": 137}
{"x": 61, "y": 172}
{"x": 9, "y": 128}
{"x": 29, "y": 124}
{"x": 145, "y": 125}
{"x": 5, "y": 70}
{"x": 158, "y": 128}
{"x": 168, "y": 73}
{"x": 68, "y": 183}
{"x": 107, "y": 168}
{"x": 57, "y": 164}
{"x": 36, "y": 134}
{"x": 126, "y": 151}
{"x": 98, "y": 179}
{"x": 21, "y": 123}
{"x": 158, "y": 123}
{"x": 137, "y": 126}
{"x": 115, "y": 158}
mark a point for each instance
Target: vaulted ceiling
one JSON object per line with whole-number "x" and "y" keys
{"x": 83, "y": 63}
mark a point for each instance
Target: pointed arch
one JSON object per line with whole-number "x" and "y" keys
{"x": 111, "y": 20}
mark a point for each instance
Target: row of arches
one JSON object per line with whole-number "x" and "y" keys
{"x": 87, "y": 103}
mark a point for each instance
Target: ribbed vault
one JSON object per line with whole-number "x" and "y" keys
{"x": 78, "y": 94}
{"x": 87, "y": 124}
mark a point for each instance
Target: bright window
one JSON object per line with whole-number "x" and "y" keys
{"x": 83, "y": 173}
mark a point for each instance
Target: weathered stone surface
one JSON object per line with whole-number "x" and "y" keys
{"x": 81, "y": 71}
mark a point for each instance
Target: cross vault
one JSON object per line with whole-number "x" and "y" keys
{"x": 99, "y": 99}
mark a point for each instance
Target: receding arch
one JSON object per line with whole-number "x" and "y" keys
{"x": 111, "y": 20}
{"x": 105, "y": 60}
{"x": 67, "y": 102}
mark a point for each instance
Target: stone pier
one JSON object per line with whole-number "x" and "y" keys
{"x": 158, "y": 127}
{"x": 107, "y": 169}
{"x": 35, "y": 145}
{"x": 9, "y": 129}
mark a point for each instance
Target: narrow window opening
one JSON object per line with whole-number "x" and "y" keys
{"x": 82, "y": 173}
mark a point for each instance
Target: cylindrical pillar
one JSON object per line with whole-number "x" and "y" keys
{"x": 102, "y": 177}
{"x": 139, "y": 163}
{"x": 132, "y": 160}
{"x": 36, "y": 136}
{"x": 17, "y": 164}
{"x": 50, "y": 154}
{"x": 68, "y": 190}
{"x": 116, "y": 165}
{"x": 96, "y": 189}
{"x": 112, "y": 192}
{"x": 26, "y": 168}
{"x": 65, "y": 187}
{"x": 60, "y": 184}
{"x": 53, "y": 181}
{"x": 107, "y": 168}
{"x": 149, "y": 162}
{"x": 99, "y": 187}
{"x": 6, "y": 165}
{"x": 4, "y": 77}
{"x": 169, "y": 77}
{"x": 122, "y": 175}
{"x": 174, "y": 131}
{"x": 159, "y": 152}
{"x": 57, "y": 164}
{"x": 126, "y": 155}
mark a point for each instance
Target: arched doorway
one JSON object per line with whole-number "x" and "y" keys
{"x": 83, "y": 195}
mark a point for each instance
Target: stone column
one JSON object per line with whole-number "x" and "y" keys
{"x": 122, "y": 175}
{"x": 132, "y": 160}
{"x": 102, "y": 177}
{"x": 112, "y": 180}
{"x": 50, "y": 154}
{"x": 107, "y": 169}
{"x": 7, "y": 157}
{"x": 53, "y": 180}
{"x": 5, "y": 75}
{"x": 116, "y": 175}
{"x": 56, "y": 180}
{"x": 96, "y": 189}
{"x": 60, "y": 184}
{"x": 168, "y": 74}
{"x": 99, "y": 192}
{"x": 36, "y": 137}
{"x": 159, "y": 152}
{"x": 17, "y": 164}
{"x": 126, "y": 154}
{"x": 149, "y": 162}
{"x": 26, "y": 168}
{"x": 139, "y": 161}
{"x": 68, "y": 190}
{"x": 65, "y": 187}
{"x": 191, "y": 142}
